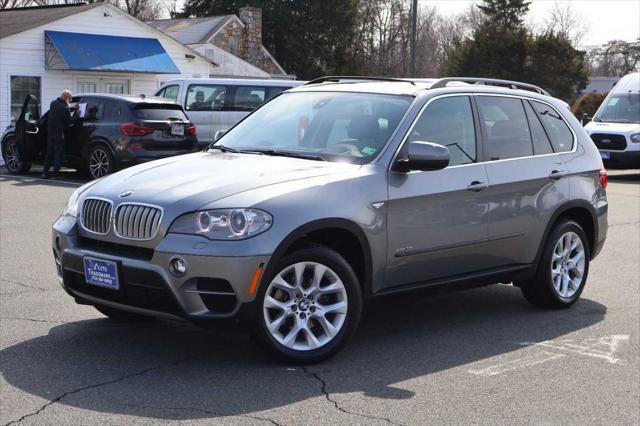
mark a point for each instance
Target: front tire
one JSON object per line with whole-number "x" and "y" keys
{"x": 100, "y": 162}
{"x": 310, "y": 306}
{"x": 11, "y": 155}
{"x": 562, "y": 272}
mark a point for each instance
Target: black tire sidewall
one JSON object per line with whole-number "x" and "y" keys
{"x": 22, "y": 165}
{"x": 545, "y": 268}
{"x": 341, "y": 267}
{"x": 101, "y": 147}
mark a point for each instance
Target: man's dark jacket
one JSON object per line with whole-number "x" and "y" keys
{"x": 59, "y": 119}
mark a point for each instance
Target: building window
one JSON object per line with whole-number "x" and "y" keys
{"x": 22, "y": 86}
{"x": 233, "y": 44}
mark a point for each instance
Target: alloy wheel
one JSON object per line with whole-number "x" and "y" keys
{"x": 12, "y": 157}
{"x": 305, "y": 306}
{"x": 568, "y": 265}
{"x": 99, "y": 163}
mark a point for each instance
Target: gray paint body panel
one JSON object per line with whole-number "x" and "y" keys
{"x": 419, "y": 226}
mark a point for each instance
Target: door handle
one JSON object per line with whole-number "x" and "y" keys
{"x": 34, "y": 132}
{"x": 557, "y": 174}
{"x": 476, "y": 186}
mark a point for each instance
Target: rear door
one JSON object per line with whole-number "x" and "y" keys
{"x": 526, "y": 178}
{"x": 28, "y": 130}
{"x": 437, "y": 220}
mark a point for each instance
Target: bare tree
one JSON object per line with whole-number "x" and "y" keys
{"x": 565, "y": 21}
{"x": 10, "y": 4}
{"x": 616, "y": 58}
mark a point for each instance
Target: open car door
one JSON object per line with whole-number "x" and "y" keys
{"x": 28, "y": 130}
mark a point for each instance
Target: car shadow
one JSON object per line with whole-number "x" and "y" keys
{"x": 632, "y": 177}
{"x": 173, "y": 371}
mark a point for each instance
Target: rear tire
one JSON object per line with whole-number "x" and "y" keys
{"x": 309, "y": 306}
{"x": 563, "y": 268}
{"x": 121, "y": 316}
{"x": 99, "y": 162}
{"x": 12, "y": 160}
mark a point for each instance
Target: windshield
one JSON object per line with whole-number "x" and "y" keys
{"x": 623, "y": 108}
{"x": 348, "y": 127}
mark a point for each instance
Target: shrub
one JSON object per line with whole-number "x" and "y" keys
{"x": 589, "y": 103}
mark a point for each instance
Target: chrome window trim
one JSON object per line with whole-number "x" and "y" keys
{"x": 133, "y": 203}
{"x": 469, "y": 94}
{"x": 81, "y": 215}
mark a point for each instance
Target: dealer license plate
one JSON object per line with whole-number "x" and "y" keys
{"x": 177, "y": 129}
{"x": 102, "y": 273}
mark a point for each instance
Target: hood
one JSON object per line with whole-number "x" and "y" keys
{"x": 195, "y": 180}
{"x": 616, "y": 128}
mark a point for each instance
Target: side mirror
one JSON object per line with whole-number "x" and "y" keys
{"x": 219, "y": 134}
{"x": 424, "y": 156}
{"x": 585, "y": 118}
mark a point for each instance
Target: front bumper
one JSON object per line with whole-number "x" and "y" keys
{"x": 622, "y": 159}
{"x": 213, "y": 288}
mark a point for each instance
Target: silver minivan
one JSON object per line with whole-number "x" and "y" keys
{"x": 219, "y": 103}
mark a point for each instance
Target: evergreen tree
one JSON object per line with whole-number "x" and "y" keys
{"x": 502, "y": 47}
{"x": 308, "y": 38}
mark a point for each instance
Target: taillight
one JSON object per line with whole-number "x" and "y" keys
{"x": 603, "y": 178}
{"x": 191, "y": 130}
{"x": 133, "y": 129}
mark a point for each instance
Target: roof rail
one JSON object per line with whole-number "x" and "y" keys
{"x": 489, "y": 82}
{"x": 338, "y": 78}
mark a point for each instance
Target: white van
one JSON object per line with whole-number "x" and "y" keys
{"x": 615, "y": 127}
{"x": 219, "y": 103}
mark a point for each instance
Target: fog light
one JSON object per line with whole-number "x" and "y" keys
{"x": 178, "y": 266}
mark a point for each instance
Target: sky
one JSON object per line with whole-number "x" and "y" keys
{"x": 605, "y": 19}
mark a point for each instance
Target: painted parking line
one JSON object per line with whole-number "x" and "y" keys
{"x": 37, "y": 179}
{"x": 603, "y": 348}
{"x": 525, "y": 361}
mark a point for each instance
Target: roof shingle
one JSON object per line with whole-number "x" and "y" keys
{"x": 14, "y": 21}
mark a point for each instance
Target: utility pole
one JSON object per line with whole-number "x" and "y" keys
{"x": 412, "y": 42}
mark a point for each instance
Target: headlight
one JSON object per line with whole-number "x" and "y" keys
{"x": 71, "y": 209}
{"x": 223, "y": 224}
{"x": 635, "y": 138}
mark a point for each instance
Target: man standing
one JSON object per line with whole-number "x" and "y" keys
{"x": 59, "y": 120}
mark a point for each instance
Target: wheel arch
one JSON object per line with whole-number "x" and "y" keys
{"x": 351, "y": 243}
{"x": 580, "y": 211}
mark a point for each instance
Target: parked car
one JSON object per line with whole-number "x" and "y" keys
{"x": 115, "y": 132}
{"x": 615, "y": 127}
{"x": 339, "y": 191}
{"x": 215, "y": 104}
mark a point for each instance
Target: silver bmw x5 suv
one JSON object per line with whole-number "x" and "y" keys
{"x": 337, "y": 191}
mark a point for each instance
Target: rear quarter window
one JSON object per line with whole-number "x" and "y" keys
{"x": 557, "y": 129}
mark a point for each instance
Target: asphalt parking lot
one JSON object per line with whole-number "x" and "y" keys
{"x": 482, "y": 356}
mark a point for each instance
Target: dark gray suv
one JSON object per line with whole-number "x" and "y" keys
{"x": 337, "y": 191}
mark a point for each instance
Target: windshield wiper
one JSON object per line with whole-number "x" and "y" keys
{"x": 291, "y": 154}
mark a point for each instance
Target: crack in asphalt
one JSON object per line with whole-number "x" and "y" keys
{"x": 34, "y": 287}
{"x": 204, "y": 410}
{"x": 337, "y": 406}
{"x": 93, "y": 386}
{"x": 624, "y": 223}
{"x": 37, "y": 320}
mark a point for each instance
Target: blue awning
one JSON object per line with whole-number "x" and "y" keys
{"x": 93, "y": 52}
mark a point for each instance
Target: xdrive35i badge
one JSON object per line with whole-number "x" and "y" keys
{"x": 126, "y": 194}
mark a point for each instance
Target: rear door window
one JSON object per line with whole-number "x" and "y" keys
{"x": 94, "y": 110}
{"x": 557, "y": 129}
{"x": 449, "y": 122}
{"x": 506, "y": 127}
{"x": 112, "y": 110}
{"x": 160, "y": 112}
{"x": 541, "y": 143}
{"x": 248, "y": 98}
{"x": 205, "y": 97}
